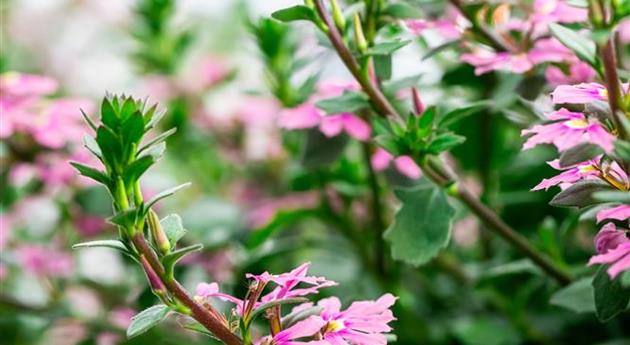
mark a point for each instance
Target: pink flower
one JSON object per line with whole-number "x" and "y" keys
{"x": 621, "y": 212}
{"x": 549, "y": 50}
{"x": 5, "y": 229}
{"x": 487, "y": 61}
{"x": 557, "y": 11}
{"x": 571, "y": 175}
{"x": 302, "y": 329}
{"x": 287, "y": 283}
{"x": 579, "y": 72}
{"x": 355, "y": 126}
{"x": 304, "y": 116}
{"x": 264, "y": 210}
{"x": 89, "y": 225}
{"x": 121, "y": 317}
{"x": 205, "y": 290}
{"x": 579, "y": 94}
{"x": 613, "y": 247}
{"x": 381, "y": 160}
{"x": 14, "y": 84}
{"x": 450, "y": 27}
{"x": 44, "y": 261}
{"x": 363, "y": 323}
{"x": 568, "y": 130}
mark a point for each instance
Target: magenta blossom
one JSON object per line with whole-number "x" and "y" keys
{"x": 290, "y": 336}
{"x": 579, "y": 72}
{"x": 579, "y": 94}
{"x": 556, "y": 11}
{"x": 381, "y": 159}
{"x": 353, "y": 125}
{"x": 580, "y": 171}
{"x": 613, "y": 247}
{"x": 44, "y": 261}
{"x": 568, "y": 130}
{"x": 363, "y": 323}
{"x": 621, "y": 212}
{"x": 287, "y": 283}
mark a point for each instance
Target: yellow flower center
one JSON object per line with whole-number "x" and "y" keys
{"x": 577, "y": 123}
{"x": 603, "y": 93}
{"x": 586, "y": 168}
{"x": 334, "y": 326}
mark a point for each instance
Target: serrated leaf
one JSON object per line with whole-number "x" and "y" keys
{"x": 422, "y": 225}
{"x": 611, "y": 298}
{"x": 577, "y": 297}
{"x": 147, "y": 319}
{"x": 91, "y": 173}
{"x": 579, "y": 154}
{"x": 386, "y": 48}
{"x": 579, "y": 195}
{"x": 166, "y": 193}
{"x": 173, "y": 227}
{"x": 348, "y": 102}
{"x": 298, "y": 12}
{"x": 583, "y": 47}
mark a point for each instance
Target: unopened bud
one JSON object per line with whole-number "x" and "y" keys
{"x": 418, "y": 106}
{"x": 159, "y": 236}
{"x": 359, "y": 37}
{"x": 154, "y": 280}
{"x": 338, "y": 17}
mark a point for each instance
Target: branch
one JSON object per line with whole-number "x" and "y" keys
{"x": 613, "y": 86}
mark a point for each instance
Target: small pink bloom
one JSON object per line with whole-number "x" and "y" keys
{"x": 579, "y": 94}
{"x": 265, "y": 209}
{"x": 487, "y": 61}
{"x": 356, "y": 127}
{"x": 623, "y": 29}
{"x": 121, "y": 317}
{"x": 15, "y": 84}
{"x": 549, "y": 50}
{"x": 557, "y": 11}
{"x": 404, "y": 164}
{"x": 621, "y": 212}
{"x": 570, "y": 175}
{"x": 614, "y": 248}
{"x": 579, "y": 72}
{"x": 301, "y": 117}
{"x": 362, "y": 323}
{"x": 570, "y": 129}
{"x": 108, "y": 338}
{"x": 302, "y": 329}
{"x": 211, "y": 290}
{"x": 89, "y": 225}
{"x": 5, "y": 229}
{"x": 44, "y": 261}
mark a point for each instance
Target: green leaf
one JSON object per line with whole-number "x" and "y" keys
{"x": 281, "y": 220}
{"x": 402, "y": 11}
{"x": 137, "y": 168}
{"x": 298, "y": 12}
{"x": 625, "y": 279}
{"x": 485, "y": 331}
{"x": 445, "y": 142}
{"x": 170, "y": 259}
{"x": 108, "y": 115}
{"x": 386, "y": 48}
{"x": 113, "y": 244}
{"x": 129, "y": 107}
{"x": 173, "y": 227}
{"x": 612, "y": 196}
{"x": 622, "y": 149}
{"x": 579, "y": 154}
{"x": 147, "y": 319}
{"x": 320, "y": 151}
{"x": 109, "y": 145}
{"x": 166, "y": 193}
{"x": 583, "y": 47}
{"x": 92, "y": 173}
{"x": 297, "y": 316}
{"x": 611, "y": 298}
{"x": 88, "y": 120}
{"x": 458, "y": 114}
{"x": 132, "y": 130}
{"x": 158, "y": 139}
{"x": 126, "y": 218}
{"x": 577, "y": 297}
{"x": 92, "y": 146}
{"x": 422, "y": 225}
{"x": 579, "y": 195}
{"x": 383, "y": 67}
{"x": 348, "y": 102}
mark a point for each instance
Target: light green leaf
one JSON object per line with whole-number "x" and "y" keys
{"x": 114, "y": 244}
{"x": 147, "y": 319}
{"x": 423, "y": 224}
{"x": 386, "y": 48}
{"x": 577, "y": 297}
{"x": 584, "y": 48}
{"x": 298, "y": 12}
{"x": 173, "y": 227}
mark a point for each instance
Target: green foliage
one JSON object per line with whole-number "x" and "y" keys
{"x": 581, "y": 46}
{"x": 298, "y": 12}
{"x": 579, "y": 194}
{"x": 173, "y": 227}
{"x": 422, "y": 226}
{"x": 577, "y": 297}
{"x": 348, "y": 102}
{"x": 147, "y": 319}
{"x": 611, "y": 297}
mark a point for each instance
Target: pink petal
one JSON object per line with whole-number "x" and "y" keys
{"x": 621, "y": 212}
{"x": 300, "y": 117}
{"x": 356, "y": 127}
{"x": 331, "y": 125}
{"x": 380, "y": 159}
{"x": 407, "y": 167}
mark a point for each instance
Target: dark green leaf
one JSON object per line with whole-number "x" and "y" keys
{"x": 350, "y": 102}
{"x": 579, "y": 154}
{"x": 456, "y": 115}
{"x": 147, "y": 319}
{"x": 383, "y": 67}
{"x": 422, "y": 225}
{"x": 579, "y": 194}
{"x": 109, "y": 145}
{"x": 320, "y": 151}
{"x": 170, "y": 259}
{"x": 92, "y": 173}
{"x": 126, "y": 218}
{"x": 611, "y": 298}
{"x": 132, "y": 130}
{"x": 108, "y": 115}
{"x": 137, "y": 168}
{"x": 298, "y": 12}
{"x": 445, "y": 142}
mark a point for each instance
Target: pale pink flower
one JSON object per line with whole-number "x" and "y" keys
{"x": 205, "y": 73}
{"x": 121, "y": 317}
{"x": 570, "y": 175}
{"x": 211, "y": 290}
{"x": 621, "y": 212}
{"x": 287, "y": 283}
{"x": 579, "y": 94}
{"x": 362, "y": 323}
{"x": 557, "y": 11}
{"x": 108, "y": 338}
{"x": 44, "y": 261}
{"x": 292, "y": 335}
{"x": 613, "y": 247}
{"x": 623, "y": 29}
{"x": 568, "y": 130}
{"x": 265, "y": 209}
{"x": 579, "y": 72}
{"x": 5, "y": 229}
{"x": 89, "y": 225}
{"x": 450, "y": 27}
{"x": 381, "y": 159}
{"x": 304, "y": 116}
{"x": 354, "y": 126}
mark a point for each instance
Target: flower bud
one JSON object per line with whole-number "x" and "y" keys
{"x": 338, "y": 17}
{"x": 418, "y": 106}
{"x": 159, "y": 236}
{"x": 154, "y": 280}
{"x": 359, "y": 37}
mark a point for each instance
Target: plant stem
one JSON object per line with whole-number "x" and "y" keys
{"x": 199, "y": 313}
{"x": 613, "y": 86}
{"x": 377, "y": 211}
{"x": 435, "y": 172}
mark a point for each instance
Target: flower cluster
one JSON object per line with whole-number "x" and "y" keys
{"x": 324, "y": 323}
